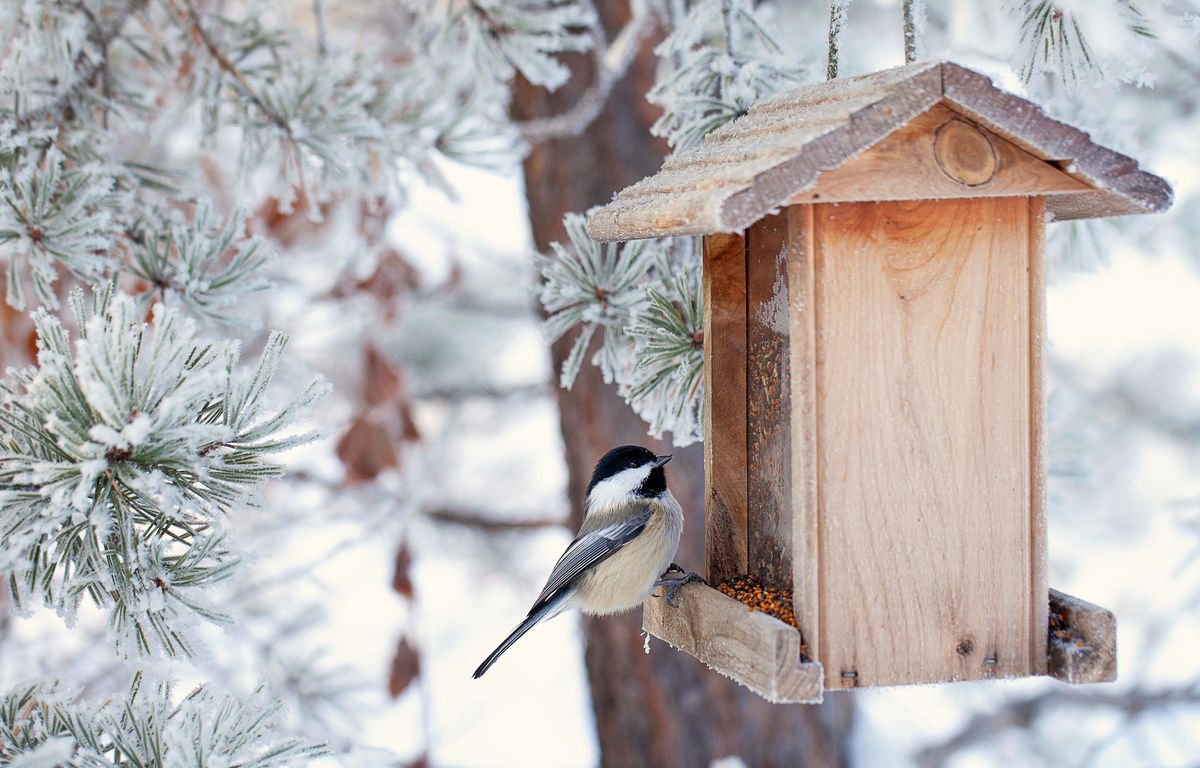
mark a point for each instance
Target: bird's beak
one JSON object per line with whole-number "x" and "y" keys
{"x": 660, "y": 460}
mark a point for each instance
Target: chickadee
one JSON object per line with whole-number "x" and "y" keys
{"x": 631, "y": 527}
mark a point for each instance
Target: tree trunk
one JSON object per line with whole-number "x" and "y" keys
{"x": 665, "y": 708}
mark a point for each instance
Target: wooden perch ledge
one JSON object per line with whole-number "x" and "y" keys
{"x": 763, "y": 653}
{"x": 1087, "y": 651}
{"x": 752, "y": 648}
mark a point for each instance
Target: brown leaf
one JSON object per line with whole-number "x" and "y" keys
{"x": 381, "y": 382}
{"x": 393, "y": 277}
{"x": 18, "y": 339}
{"x": 366, "y": 450}
{"x": 408, "y": 423}
{"x": 401, "y": 580}
{"x": 406, "y": 665}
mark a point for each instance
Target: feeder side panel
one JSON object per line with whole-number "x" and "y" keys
{"x": 725, "y": 406}
{"x": 924, "y": 482}
{"x": 1038, "y": 580}
{"x": 806, "y": 525}
{"x": 768, "y": 403}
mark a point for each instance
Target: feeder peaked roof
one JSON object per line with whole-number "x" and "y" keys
{"x": 755, "y": 164}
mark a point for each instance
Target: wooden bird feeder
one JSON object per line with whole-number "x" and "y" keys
{"x": 874, "y": 325}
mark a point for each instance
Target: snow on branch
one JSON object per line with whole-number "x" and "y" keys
{"x": 52, "y": 214}
{"x": 1077, "y": 41}
{"x": 123, "y": 453}
{"x": 525, "y": 35}
{"x": 41, "y": 724}
{"x": 644, "y": 298}
{"x": 666, "y": 385}
{"x": 724, "y": 60}
{"x": 208, "y": 268}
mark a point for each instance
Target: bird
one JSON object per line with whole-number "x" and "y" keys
{"x": 624, "y": 550}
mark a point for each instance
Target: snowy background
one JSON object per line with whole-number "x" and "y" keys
{"x": 382, "y": 576}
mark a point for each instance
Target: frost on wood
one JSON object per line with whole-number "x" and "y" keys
{"x": 122, "y": 454}
{"x": 43, "y": 725}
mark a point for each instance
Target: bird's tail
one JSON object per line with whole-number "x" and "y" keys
{"x": 545, "y": 611}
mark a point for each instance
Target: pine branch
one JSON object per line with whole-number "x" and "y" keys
{"x": 40, "y": 724}
{"x": 87, "y": 67}
{"x": 123, "y": 453}
{"x": 229, "y": 68}
{"x": 612, "y": 62}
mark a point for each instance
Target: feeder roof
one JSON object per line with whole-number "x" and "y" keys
{"x": 755, "y": 164}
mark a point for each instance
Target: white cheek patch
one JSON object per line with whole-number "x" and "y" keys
{"x": 618, "y": 488}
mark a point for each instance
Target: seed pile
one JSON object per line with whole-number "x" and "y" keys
{"x": 769, "y": 600}
{"x": 1061, "y": 632}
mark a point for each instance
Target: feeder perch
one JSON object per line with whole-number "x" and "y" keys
{"x": 874, "y": 324}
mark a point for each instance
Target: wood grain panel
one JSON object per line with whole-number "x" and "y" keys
{"x": 768, "y": 403}
{"x": 905, "y": 166}
{"x": 1038, "y": 583}
{"x": 757, "y": 650}
{"x": 924, "y": 484}
{"x": 805, "y": 511}
{"x": 725, "y": 406}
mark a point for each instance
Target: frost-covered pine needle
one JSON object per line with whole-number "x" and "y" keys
{"x": 595, "y": 286}
{"x": 41, "y": 724}
{"x": 719, "y": 61}
{"x": 666, "y": 384}
{"x": 208, "y": 266}
{"x": 122, "y": 454}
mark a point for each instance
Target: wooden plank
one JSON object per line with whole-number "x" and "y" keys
{"x": 1089, "y": 653}
{"x": 924, "y": 160}
{"x": 806, "y": 521}
{"x": 923, "y": 420}
{"x": 768, "y": 404}
{"x": 1038, "y": 584}
{"x": 752, "y": 648}
{"x": 725, "y": 406}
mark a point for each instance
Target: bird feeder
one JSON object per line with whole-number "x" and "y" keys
{"x": 874, "y": 329}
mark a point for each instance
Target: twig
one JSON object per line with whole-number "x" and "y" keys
{"x": 1020, "y": 714}
{"x": 912, "y": 9}
{"x": 466, "y": 392}
{"x": 87, "y": 69}
{"x": 727, "y": 21}
{"x": 229, "y": 68}
{"x": 837, "y": 17}
{"x": 612, "y": 62}
{"x": 488, "y": 524}
{"x": 322, "y": 36}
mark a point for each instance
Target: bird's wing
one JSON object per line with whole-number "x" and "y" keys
{"x": 590, "y": 549}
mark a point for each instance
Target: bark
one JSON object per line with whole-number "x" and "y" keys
{"x": 665, "y": 708}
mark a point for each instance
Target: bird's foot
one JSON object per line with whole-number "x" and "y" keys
{"x": 675, "y": 583}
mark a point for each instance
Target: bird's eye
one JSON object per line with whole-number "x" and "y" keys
{"x": 633, "y": 465}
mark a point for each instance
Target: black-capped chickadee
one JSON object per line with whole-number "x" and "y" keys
{"x": 631, "y": 527}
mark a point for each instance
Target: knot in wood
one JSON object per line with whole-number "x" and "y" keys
{"x": 964, "y": 153}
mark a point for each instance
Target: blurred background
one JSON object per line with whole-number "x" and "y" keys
{"x": 408, "y": 541}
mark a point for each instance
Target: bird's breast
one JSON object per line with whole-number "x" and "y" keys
{"x": 626, "y": 579}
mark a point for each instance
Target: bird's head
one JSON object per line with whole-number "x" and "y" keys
{"x": 629, "y": 471}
